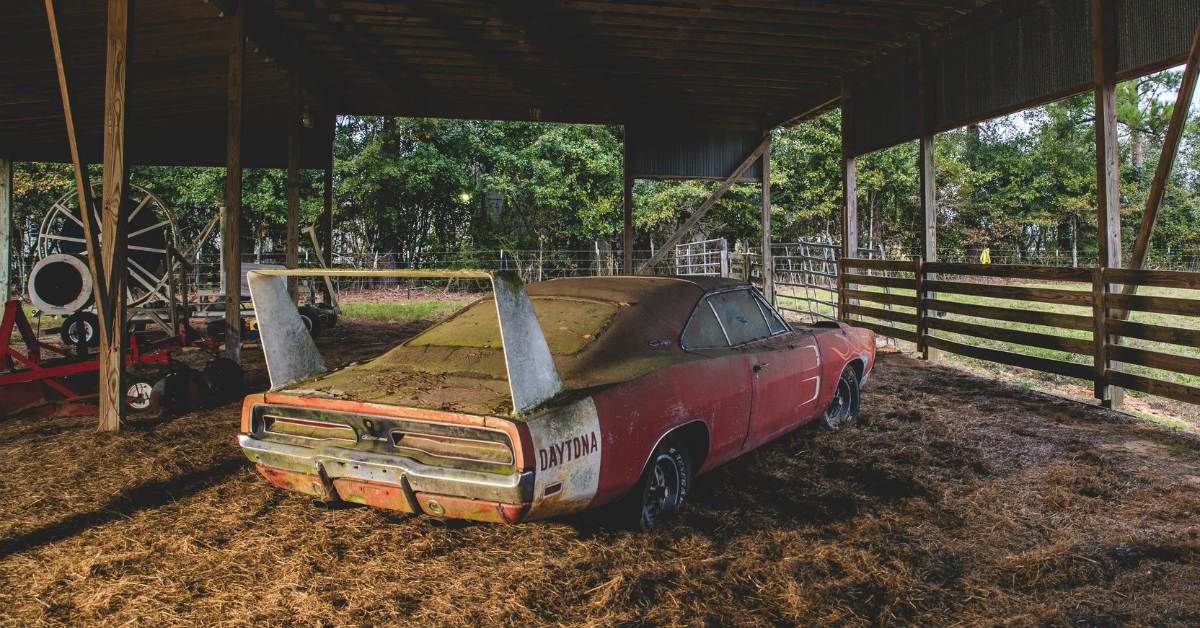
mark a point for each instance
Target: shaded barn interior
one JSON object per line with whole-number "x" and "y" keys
{"x": 247, "y": 83}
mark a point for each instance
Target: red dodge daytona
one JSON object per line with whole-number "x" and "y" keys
{"x": 548, "y": 399}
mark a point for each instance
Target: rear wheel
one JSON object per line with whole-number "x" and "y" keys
{"x": 843, "y": 409}
{"x": 662, "y": 488}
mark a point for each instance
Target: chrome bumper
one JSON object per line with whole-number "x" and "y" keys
{"x": 339, "y": 462}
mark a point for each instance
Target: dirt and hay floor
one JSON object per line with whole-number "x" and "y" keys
{"x": 958, "y": 500}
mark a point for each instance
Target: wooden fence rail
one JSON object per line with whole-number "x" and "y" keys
{"x": 1086, "y": 333}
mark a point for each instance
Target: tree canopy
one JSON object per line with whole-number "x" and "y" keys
{"x": 408, "y": 189}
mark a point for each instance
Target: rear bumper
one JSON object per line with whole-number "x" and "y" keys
{"x": 392, "y": 482}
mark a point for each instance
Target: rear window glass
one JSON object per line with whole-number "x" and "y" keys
{"x": 569, "y": 325}
{"x": 703, "y": 331}
{"x": 740, "y": 316}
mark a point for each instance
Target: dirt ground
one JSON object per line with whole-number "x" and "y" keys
{"x": 957, "y": 500}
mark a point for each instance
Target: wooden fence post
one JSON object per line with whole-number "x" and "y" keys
{"x": 922, "y": 327}
{"x": 841, "y": 284}
{"x": 1100, "y": 333}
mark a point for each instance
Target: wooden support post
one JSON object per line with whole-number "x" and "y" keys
{"x": 83, "y": 184}
{"x": 768, "y": 261}
{"x": 6, "y": 195}
{"x": 696, "y": 216}
{"x": 627, "y": 213}
{"x": 926, "y": 89}
{"x": 231, "y": 231}
{"x": 291, "y": 248}
{"x": 326, "y": 230}
{"x": 114, "y": 217}
{"x": 1100, "y": 334}
{"x": 1166, "y": 160}
{"x": 1108, "y": 195}
{"x": 849, "y": 199}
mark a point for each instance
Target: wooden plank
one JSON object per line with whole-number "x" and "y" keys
{"x": 894, "y": 316}
{"x": 1011, "y": 271}
{"x": 700, "y": 212}
{"x": 1157, "y": 278}
{"x": 6, "y": 196}
{"x": 292, "y": 243}
{"x": 886, "y": 298}
{"x": 882, "y": 282}
{"x": 1157, "y": 305}
{"x": 1170, "y": 390}
{"x": 1017, "y": 293}
{"x": 883, "y": 265}
{"x": 1014, "y": 336}
{"x": 1154, "y": 333}
{"x": 231, "y": 224}
{"x": 1012, "y": 315}
{"x": 768, "y": 276}
{"x": 1020, "y": 360}
{"x": 1166, "y": 160}
{"x": 1155, "y": 359}
{"x": 114, "y": 218}
{"x": 886, "y": 330}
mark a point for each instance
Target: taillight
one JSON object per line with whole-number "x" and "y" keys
{"x": 460, "y": 447}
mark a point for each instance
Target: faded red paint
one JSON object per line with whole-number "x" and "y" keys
{"x": 299, "y": 482}
{"x": 593, "y": 448}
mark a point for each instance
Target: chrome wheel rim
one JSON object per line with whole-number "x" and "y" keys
{"x": 662, "y": 489}
{"x": 137, "y": 396}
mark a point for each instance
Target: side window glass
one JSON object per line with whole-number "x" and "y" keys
{"x": 703, "y": 331}
{"x": 774, "y": 322}
{"x": 740, "y": 315}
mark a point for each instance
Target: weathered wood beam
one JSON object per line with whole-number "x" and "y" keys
{"x": 292, "y": 244}
{"x": 6, "y": 196}
{"x": 693, "y": 220}
{"x": 626, "y": 208}
{"x": 231, "y": 225}
{"x": 927, "y": 97}
{"x": 849, "y": 203}
{"x": 326, "y": 230}
{"x": 83, "y": 184}
{"x": 1166, "y": 160}
{"x": 768, "y": 260}
{"x": 269, "y": 35}
{"x": 114, "y": 217}
{"x": 1108, "y": 195}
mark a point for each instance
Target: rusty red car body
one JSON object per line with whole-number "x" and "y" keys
{"x": 427, "y": 427}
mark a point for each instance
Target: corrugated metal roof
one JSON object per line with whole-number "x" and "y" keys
{"x": 658, "y": 153}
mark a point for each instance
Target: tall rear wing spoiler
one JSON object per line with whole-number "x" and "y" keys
{"x": 292, "y": 355}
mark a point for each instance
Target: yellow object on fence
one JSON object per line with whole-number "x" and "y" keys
{"x": 986, "y": 256}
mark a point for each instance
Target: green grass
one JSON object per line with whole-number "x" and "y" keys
{"x": 393, "y": 312}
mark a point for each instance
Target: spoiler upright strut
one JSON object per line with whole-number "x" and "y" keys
{"x": 292, "y": 355}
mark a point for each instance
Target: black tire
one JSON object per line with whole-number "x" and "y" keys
{"x": 180, "y": 390}
{"x": 139, "y": 395}
{"x": 661, "y": 490}
{"x": 313, "y": 320}
{"x": 85, "y": 323}
{"x": 328, "y": 315}
{"x": 225, "y": 379}
{"x": 215, "y": 329}
{"x": 843, "y": 409}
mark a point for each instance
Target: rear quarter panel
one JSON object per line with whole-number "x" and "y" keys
{"x": 839, "y": 346}
{"x": 634, "y": 416}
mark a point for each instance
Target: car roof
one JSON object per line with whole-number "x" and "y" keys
{"x": 628, "y": 289}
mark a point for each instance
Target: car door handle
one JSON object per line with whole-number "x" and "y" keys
{"x": 760, "y": 366}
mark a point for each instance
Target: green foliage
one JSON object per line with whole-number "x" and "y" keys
{"x": 393, "y": 311}
{"x": 1023, "y": 183}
